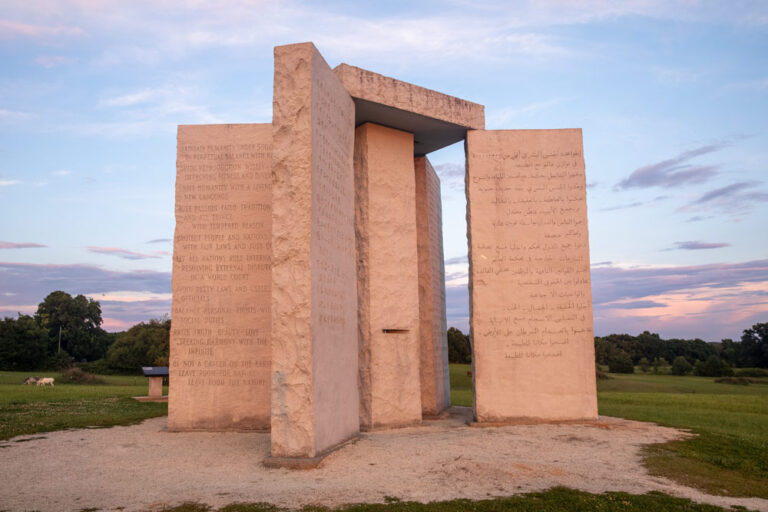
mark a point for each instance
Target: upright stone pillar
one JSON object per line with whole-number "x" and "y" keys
{"x": 220, "y": 352}
{"x": 435, "y": 386}
{"x": 315, "y": 401}
{"x": 530, "y": 296}
{"x": 388, "y": 293}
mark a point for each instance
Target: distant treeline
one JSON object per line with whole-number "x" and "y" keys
{"x": 66, "y": 330}
{"x": 621, "y": 351}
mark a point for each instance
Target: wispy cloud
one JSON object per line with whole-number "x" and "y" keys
{"x": 126, "y": 297}
{"x": 696, "y": 245}
{"x": 674, "y": 172}
{"x": 121, "y": 253}
{"x": 672, "y": 300}
{"x": 21, "y": 245}
{"x": 8, "y": 183}
{"x": 62, "y": 172}
{"x": 505, "y": 115}
{"x": 725, "y": 297}
{"x": 10, "y": 29}
{"x": 160, "y": 241}
{"x": 634, "y": 204}
{"x": 735, "y": 198}
{"x": 130, "y": 99}
{"x": 53, "y": 61}
{"x": 638, "y": 304}
{"x": 13, "y": 115}
{"x": 451, "y": 176}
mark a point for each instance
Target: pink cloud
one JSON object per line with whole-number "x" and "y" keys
{"x": 121, "y": 253}
{"x": 115, "y": 324}
{"x": 10, "y": 28}
{"x": 21, "y": 245}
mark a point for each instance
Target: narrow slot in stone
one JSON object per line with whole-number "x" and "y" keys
{"x": 393, "y": 331}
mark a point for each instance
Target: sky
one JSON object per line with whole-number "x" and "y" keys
{"x": 671, "y": 96}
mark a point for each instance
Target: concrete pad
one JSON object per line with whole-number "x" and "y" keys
{"x": 530, "y": 294}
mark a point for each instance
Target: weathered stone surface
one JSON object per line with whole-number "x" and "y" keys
{"x": 435, "y": 387}
{"x": 315, "y": 399}
{"x": 155, "y": 387}
{"x": 220, "y": 352}
{"x": 388, "y": 294}
{"x": 530, "y": 295}
{"x": 376, "y": 88}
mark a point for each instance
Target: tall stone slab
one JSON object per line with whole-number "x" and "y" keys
{"x": 220, "y": 351}
{"x": 388, "y": 293}
{"x": 530, "y": 295}
{"x": 315, "y": 400}
{"x": 435, "y": 386}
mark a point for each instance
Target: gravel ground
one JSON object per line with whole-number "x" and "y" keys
{"x": 143, "y": 467}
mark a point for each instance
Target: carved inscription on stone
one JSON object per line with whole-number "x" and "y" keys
{"x": 530, "y": 281}
{"x": 220, "y": 349}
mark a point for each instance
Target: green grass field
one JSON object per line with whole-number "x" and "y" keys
{"x": 552, "y": 500}
{"x": 729, "y": 456}
{"x": 32, "y": 409}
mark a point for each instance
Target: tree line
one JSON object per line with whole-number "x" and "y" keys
{"x": 66, "y": 330}
{"x": 622, "y": 352}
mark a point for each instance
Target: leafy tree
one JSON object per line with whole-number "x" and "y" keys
{"x": 459, "y": 349}
{"x": 144, "y": 344}
{"x": 713, "y": 367}
{"x": 681, "y": 366}
{"x": 620, "y": 362}
{"x": 729, "y": 351}
{"x": 754, "y": 346}
{"x": 23, "y": 343}
{"x": 659, "y": 363}
{"x": 645, "y": 365}
{"x": 601, "y": 350}
{"x": 77, "y": 320}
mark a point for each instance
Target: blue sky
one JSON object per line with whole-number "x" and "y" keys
{"x": 672, "y": 98}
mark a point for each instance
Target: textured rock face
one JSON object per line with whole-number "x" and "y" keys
{"x": 220, "y": 352}
{"x": 376, "y": 88}
{"x": 388, "y": 294}
{"x": 530, "y": 295}
{"x": 435, "y": 388}
{"x": 315, "y": 400}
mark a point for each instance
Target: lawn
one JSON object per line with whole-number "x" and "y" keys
{"x": 729, "y": 455}
{"x": 555, "y": 499}
{"x": 32, "y": 409}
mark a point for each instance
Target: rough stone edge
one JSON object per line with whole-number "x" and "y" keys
{"x": 360, "y": 159}
{"x": 352, "y": 78}
{"x": 291, "y": 250}
{"x": 468, "y": 219}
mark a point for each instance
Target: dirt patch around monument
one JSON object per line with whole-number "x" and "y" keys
{"x": 144, "y": 467}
